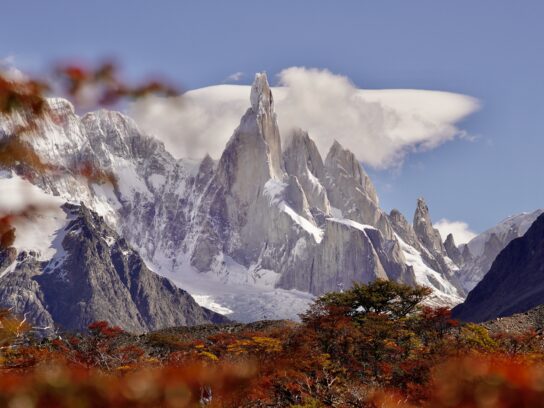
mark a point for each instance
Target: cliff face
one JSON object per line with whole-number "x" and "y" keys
{"x": 269, "y": 224}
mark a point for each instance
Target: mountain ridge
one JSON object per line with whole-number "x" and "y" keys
{"x": 514, "y": 282}
{"x": 257, "y": 233}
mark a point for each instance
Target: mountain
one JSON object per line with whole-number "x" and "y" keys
{"x": 513, "y": 284}
{"x": 476, "y": 256}
{"x": 93, "y": 275}
{"x": 256, "y": 234}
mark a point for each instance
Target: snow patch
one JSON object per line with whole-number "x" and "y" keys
{"x": 513, "y": 226}
{"x": 38, "y": 216}
{"x": 208, "y": 302}
{"x": 129, "y": 181}
{"x": 442, "y": 288}
{"x": 157, "y": 181}
{"x": 9, "y": 269}
{"x": 316, "y": 232}
{"x": 273, "y": 189}
{"x": 353, "y": 224}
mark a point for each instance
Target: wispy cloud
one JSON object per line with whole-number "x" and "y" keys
{"x": 380, "y": 126}
{"x": 460, "y": 230}
{"x": 234, "y": 77}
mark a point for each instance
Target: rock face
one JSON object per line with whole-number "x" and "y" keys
{"x": 428, "y": 259}
{"x": 269, "y": 220}
{"x": 424, "y": 230}
{"x": 478, "y": 255}
{"x": 452, "y": 251}
{"x": 275, "y": 211}
{"x": 303, "y": 161}
{"x": 351, "y": 191}
{"x": 96, "y": 276}
{"x": 513, "y": 284}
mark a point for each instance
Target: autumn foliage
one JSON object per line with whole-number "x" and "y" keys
{"x": 372, "y": 346}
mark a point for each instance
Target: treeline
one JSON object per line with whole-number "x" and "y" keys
{"x": 375, "y": 345}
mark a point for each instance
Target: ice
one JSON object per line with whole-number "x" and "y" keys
{"x": 353, "y": 224}
{"x": 243, "y": 300}
{"x": 442, "y": 288}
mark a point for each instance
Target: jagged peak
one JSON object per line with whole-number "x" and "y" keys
{"x": 106, "y": 115}
{"x": 295, "y": 135}
{"x": 396, "y": 215}
{"x": 422, "y": 211}
{"x": 450, "y": 240}
{"x": 344, "y": 159}
{"x": 206, "y": 159}
{"x": 206, "y": 165}
{"x": 336, "y": 146}
{"x": 337, "y": 151}
{"x": 61, "y": 105}
{"x": 261, "y": 95}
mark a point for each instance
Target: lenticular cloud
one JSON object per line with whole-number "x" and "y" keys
{"x": 379, "y": 126}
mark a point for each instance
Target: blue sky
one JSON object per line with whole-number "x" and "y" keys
{"x": 492, "y": 50}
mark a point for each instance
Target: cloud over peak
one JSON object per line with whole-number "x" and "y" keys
{"x": 460, "y": 230}
{"x": 379, "y": 126}
{"x": 235, "y": 77}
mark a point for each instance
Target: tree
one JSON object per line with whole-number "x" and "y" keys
{"x": 380, "y": 296}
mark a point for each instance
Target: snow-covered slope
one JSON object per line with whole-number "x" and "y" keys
{"x": 256, "y": 234}
{"x": 36, "y": 216}
{"x": 479, "y": 253}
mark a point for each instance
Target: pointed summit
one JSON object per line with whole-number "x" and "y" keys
{"x": 452, "y": 250}
{"x": 344, "y": 161}
{"x": 450, "y": 240}
{"x": 403, "y": 228}
{"x": 423, "y": 227}
{"x": 422, "y": 218}
{"x": 302, "y": 159}
{"x": 422, "y": 206}
{"x": 336, "y": 146}
{"x": 261, "y": 95}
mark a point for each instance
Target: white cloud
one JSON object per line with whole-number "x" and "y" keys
{"x": 235, "y": 77}
{"x": 460, "y": 230}
{"x": 379, "y": 126}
